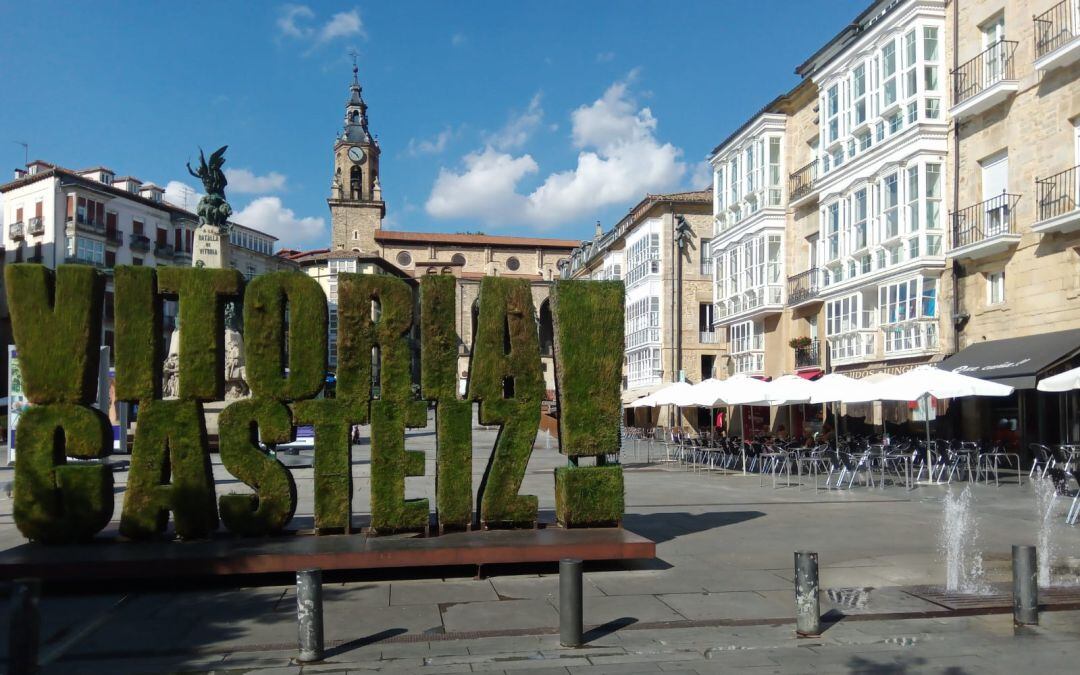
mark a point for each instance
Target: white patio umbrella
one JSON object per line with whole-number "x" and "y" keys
{"x": 788, "y": 390}
{"x": 678, "y": 394}
{"x": 643, "y": 402}
{"x": 745, "y": 390}
{"x": 1066, "y": 381}
{"x": 839, "y": 388}
{"x": 709, "y": 393}
{"x": 926, "y": 382}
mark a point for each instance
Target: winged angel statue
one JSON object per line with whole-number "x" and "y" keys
{"x": 213, "y": 209}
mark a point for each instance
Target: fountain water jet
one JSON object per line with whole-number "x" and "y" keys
{"x": 959, "y": 533}
{"x": 1045, "y": 493}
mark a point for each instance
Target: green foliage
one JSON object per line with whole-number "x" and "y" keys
{"x": 453, "y": 418}
{"x": 265, "y": 301}
{"x": 202, "y": 292}
{"x": 589, "y": 496}
{"x": 505, "y": 377}
{"x": 359, "y": 335}
{"x": 55, "y": 502}
{"x": 272, "y": 506}
{"x": 56, "y": 321}
{"x": 170, "y": 439}
{"x": 588, "y": 322}
{"x": 138, "y": 351}
{"x": 332, "y": 419}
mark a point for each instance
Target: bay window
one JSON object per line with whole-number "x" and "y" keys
{"x": 858, "y": 218}
{"x": 643, "y": 258}
{"x": 832, "y": 231}
{"x": 858, "y": 86}
{"x": 643, "y": 366}
{"x": 888, "y": 75}
{"x": 832, "y": 103}
{"x": 890, "y": 200}
{"x": 643, "y": 322}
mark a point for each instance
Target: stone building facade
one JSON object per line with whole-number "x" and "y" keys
{"x": 660, "y": 250}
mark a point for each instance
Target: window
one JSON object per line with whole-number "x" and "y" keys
{"x": 741, "y": 338}
{"x": 774, "y": 171}
{"x": 888, "y": 75}
{"x": 858, "y": 86}
{"x": 403, "y": 258}
{"x": 706, "y": 256}
{"x": 86, "y": 250}
{"x": 890, "y": 199}
{"x": 842, "y": 315}
{"x": 913, "y": 198}
{"x": 933, "y": 196}
{"x": 911, "y": 73}
{"x": 512, "y": 264}
{"x": 930, "y": 44}
{"x": 858, "y": 217}
{"x": 832, "y": 231}
{"x": 137, "y": 262}
{"x": 995, "y": 288}
{"x": 643, "y": 258}
{"x": 458, "y": 259}
{"x": 643, "y": 322}
{"x": 832, "y": 103}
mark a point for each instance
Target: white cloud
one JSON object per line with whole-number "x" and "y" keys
{"x": 269, "y": 215}
{"x": 246, "y": 182}
{"x": 298, "y": 22}
{"x": 430, "y": 146}
{"x": 619, "y": 160}
{"x": 182, "y": 195}
{"x": 605, "y": 57}
{"x": 702, "y": 176}
{"x": 458, "y": 39}
{"x": 519, "y": 127}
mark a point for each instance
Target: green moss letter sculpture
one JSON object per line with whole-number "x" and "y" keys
{"x": 56, "y": 502}
{"x": 366, "y": 343}
{"x": 202, "y": 293}
{"x": 265, "y": 301}
{"x": 241, "y": 425}
{"x": 332, "y": 418}
{"x": 56, "y": 321}
{"x": 453, "y": 417}
{"x": 588, "y": 322}
{"x": 170, "y": 442}
{"x": 138, "y": 334}
{"x": 505, "y": 377}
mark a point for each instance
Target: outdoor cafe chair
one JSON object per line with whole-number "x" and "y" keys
{"x": 989, "y": 461}
{"x": 1044, "y": 459}
{"x": 1074, "y": 508}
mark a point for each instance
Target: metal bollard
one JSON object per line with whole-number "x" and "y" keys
{"x": 309, "y": 614}
{"x": 24, "y": 627}
{"x": 807, "y": 605}
{"x": 570, "y": 607}
{"x": 1025, "y": 569}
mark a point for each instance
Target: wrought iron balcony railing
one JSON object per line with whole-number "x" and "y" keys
{"x": 805, "y": 285}
{"x": 17, "y": 230}
{"x": 36, "y": 225}
{"x": 139, "y": 242}
{"x": 1058, "y": 194}
{"x": 992, "y": 65}
{"x": 1055, "y": 28}
{"x": 801, "y": 183}
{"x": 984, "y": 220}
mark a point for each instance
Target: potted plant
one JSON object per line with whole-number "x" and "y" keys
{"x": 800, "y": 342}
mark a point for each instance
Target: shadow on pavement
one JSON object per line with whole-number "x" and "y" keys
{"x": 364, "y": 641}
{"x": 605, "y": 629}
{"x": 661, "y": 527}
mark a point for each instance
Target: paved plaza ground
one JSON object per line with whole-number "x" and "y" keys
{"x": 718, "y": 597}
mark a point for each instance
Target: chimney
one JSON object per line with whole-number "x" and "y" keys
{"x": 599, "y": 230}
{"x": 19, "y": 173}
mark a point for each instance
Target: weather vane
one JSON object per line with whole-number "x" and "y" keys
{"x": 352, "y": 53}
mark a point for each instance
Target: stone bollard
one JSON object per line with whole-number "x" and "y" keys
{"x": 309, "y": 614}
{"x": 1025, "y": 569}
{"x": 570, "y": 606}
{"x": 807, "y": 605}
{"x": 24, "y": 627}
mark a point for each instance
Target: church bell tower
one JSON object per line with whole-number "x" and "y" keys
{"x": 356, "y": 204}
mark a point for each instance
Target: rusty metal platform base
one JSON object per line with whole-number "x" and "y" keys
{"x": 288, "y": 553}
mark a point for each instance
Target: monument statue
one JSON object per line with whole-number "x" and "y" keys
{"x": 236, "y": 387}
{"x": 213, "y": 209}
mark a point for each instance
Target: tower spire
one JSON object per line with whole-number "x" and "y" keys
{"x": 356, "y": 123}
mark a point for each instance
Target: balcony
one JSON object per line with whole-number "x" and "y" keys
{"x": 808, "y": 357}
{"x": 114, "y": 238}
{"x": 139, "y": 242}
{"x": 85, "y": 224}
{"x": 910, "y": 338}
{"x": 1057, "y": 36}
{"x": 163, "y": 250}
{"x": 78, "y": 260}
{"x": 985, "y": 229}
{"x": 748, "y": 363}
{"x": 36, "y": 226}
{"x": 985, "y": 81}
{"x": 708, "y": 337}
{"x": 801, "y": 183}
{"x": 17, "y": 230}
{"x": 805, "y": 286}
{"x": 755, "y": 302}
{"x": 1059, "y": 202}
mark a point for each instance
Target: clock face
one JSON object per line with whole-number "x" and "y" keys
{"x": 356, "y": 154}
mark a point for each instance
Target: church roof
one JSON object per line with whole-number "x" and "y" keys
{"x": 392, "y": 236}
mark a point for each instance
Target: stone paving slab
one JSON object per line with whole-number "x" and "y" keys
{"x": 438, "y": 591}
{"x": 731, "y": 605}
{"x": 506, "y": 615}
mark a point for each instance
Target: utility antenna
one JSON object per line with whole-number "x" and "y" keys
{"x": 188, "y": 193}
{"x": 26, "y": 151}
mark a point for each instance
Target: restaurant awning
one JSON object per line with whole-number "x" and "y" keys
{"x": 1015, "y": 361}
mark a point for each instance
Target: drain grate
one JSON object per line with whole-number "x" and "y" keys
{"x": 999, "y": 597}
{"x": 850, "y": 598}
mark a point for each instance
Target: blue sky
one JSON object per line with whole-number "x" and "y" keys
{"x": 503, "y": 117}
